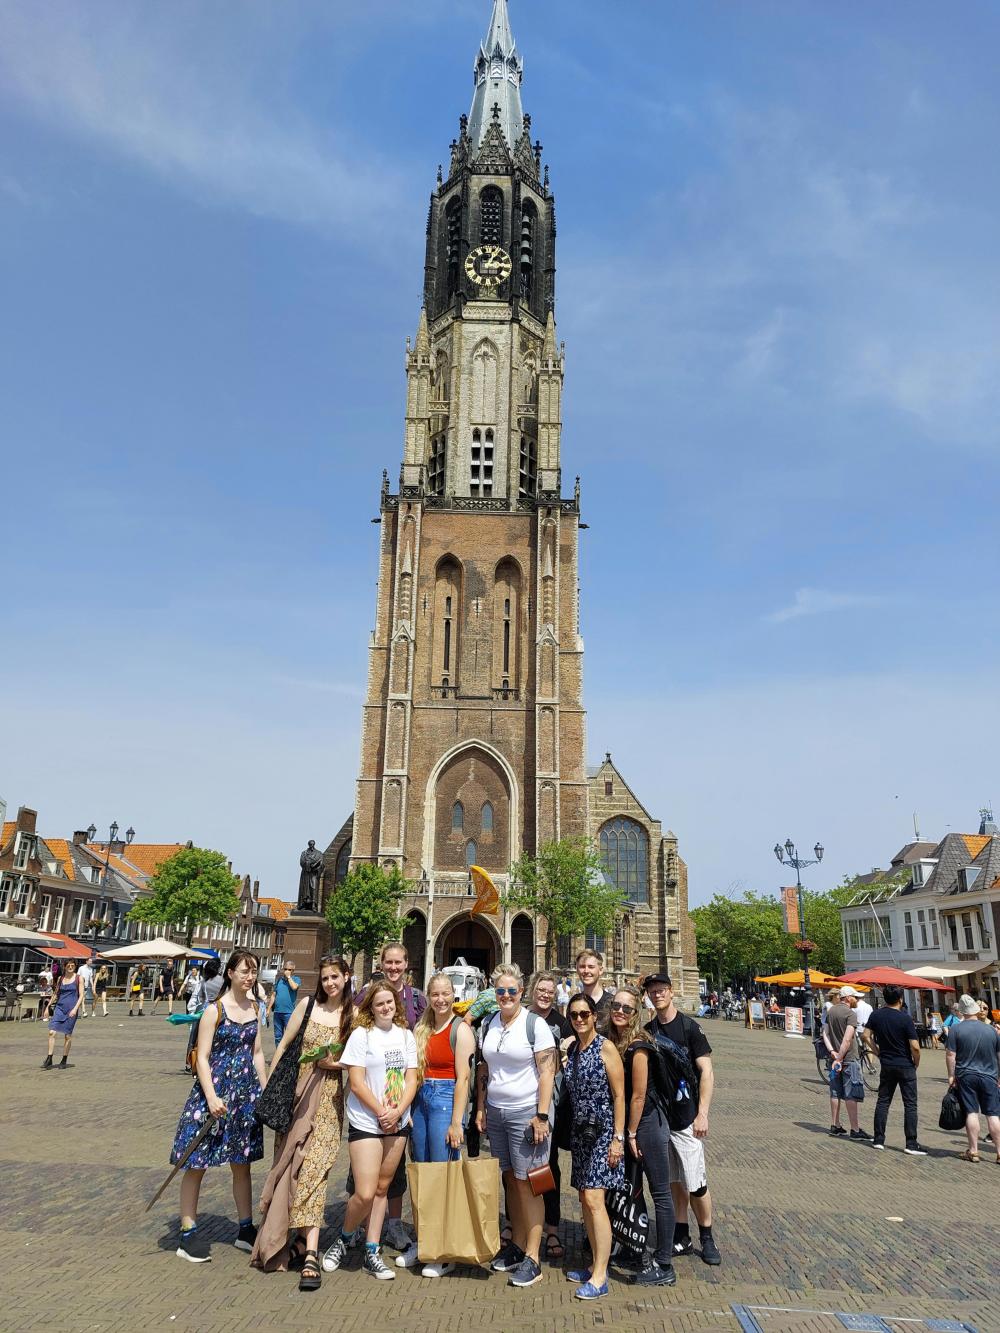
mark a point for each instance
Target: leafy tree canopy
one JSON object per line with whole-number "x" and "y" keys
{"x": 194, "y": 886}
{"x": 363, "y": 910}
{"x": 565, "y": 884}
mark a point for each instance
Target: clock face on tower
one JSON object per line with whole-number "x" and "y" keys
{"x": 488, "y": 266}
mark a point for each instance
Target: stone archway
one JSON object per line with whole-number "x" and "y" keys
{"x": 522, "y": 944}
{"x": 415, "y": 941}
{"x": 469, "y": 938}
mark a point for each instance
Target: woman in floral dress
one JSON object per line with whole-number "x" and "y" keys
{"x": 294, "y": 1196}
{"x": 595, "y": 1080}
{"x": 231, "y": 1074}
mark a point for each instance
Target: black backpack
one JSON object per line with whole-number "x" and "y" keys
{"x": 673, "y": 1080}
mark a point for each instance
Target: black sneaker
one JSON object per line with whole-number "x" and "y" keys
{"x": 656, "y": 1275}
{"x": 860, "y": 1134}
{"x": 710, "y": 1251}
{"x": 508, "y": 1259}
{"x": 685, "y": 1246}
{"x": 837, "y": 1129}
{"x": 192, "y": 1248}
{"x": 246, "y": 1237}
{"x": 916, "y": 1150}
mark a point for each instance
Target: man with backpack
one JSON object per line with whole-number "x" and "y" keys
{"x": 685, "y": 1081}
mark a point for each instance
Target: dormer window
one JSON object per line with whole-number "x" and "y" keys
{"x": 23, "y": 853}
{"x": 968, "y": 876}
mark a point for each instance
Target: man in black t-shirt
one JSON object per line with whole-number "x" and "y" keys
{"x": 688, "y": 1178}
{"x": 892, "y": 1032}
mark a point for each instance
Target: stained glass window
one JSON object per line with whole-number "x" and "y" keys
{"x": 625, "y": 853}
{"x": 458, "y": 816}
{"x": 487, "y": 820}
{"x": 471, "y": 854}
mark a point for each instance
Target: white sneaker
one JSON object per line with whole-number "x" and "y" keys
{"x": 408, "y": 1259}
{"x": 435, "y": 1270}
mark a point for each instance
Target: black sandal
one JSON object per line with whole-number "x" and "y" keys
{"x": 312, "y": 1276}
{"x": 296, "y": 1254}
{"x": 553, "y": 1247}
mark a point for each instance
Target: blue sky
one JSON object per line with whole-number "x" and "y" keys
{"x": 779, "y": 290}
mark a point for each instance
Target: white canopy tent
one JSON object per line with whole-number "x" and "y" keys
{"x": 934, "y": 973}
{"x": 144, "y": 950}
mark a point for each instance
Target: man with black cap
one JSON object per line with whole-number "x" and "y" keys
{"x": 688, "y": 1178}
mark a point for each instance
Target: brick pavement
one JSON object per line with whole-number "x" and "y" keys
{"x": 801, "y": 1218}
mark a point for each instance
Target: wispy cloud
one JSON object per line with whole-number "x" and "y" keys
{"x": 817, "y": 602}
{"x": 208, "y": 115}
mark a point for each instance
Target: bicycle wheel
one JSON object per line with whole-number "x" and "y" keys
{"x": 871, "y": 1072}
{"x": 822, "y": 1070}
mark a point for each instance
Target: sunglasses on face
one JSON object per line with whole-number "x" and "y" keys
{"x": 578, "y": 1015}
{"x": 506, "y": 990}
{"x": 622, "y": 1008}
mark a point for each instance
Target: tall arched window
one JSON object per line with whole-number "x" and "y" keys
{"x": 491, "y": 216}
{"x": 596, "y": 942}
{"x": 486, "y": 822}
{"x": 528, "y": 217}
{"x": 447, "y": 601}
{"x": 436, "y": 463}
{"x": 343, "y": 863}
{"x": 506, "y": 592}
{"x": 453, "y": 243}
{"x": 527, "y": 482}
{"x": 625, "y": 852}
{"x": 471, "y": 853}
{"x": 458, "y": 817}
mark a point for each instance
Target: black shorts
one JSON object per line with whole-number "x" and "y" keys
{"x": 355, "y": 1135}
{"x": 397, "y": 1186}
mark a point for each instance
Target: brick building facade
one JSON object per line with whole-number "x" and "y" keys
{"x": 473, "y": 730}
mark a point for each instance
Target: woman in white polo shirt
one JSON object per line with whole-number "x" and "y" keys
{"x": 514, "y": 1100}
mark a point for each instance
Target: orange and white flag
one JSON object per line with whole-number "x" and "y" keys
{"x": 487, "y": 894}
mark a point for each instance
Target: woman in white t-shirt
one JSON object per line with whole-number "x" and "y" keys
{"x": 514, "y": 1101}
{"x": 381, "y": 1060}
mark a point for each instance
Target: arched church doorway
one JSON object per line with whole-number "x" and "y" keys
{"x": 415, "y": 940}
{"x": 522, "y": 944}
{"x": 468, "y": 939}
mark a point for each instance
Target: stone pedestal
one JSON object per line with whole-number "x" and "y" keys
{"x": 307, "y": 939}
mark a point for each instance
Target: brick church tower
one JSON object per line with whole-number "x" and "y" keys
{"x": 473, "y": 735}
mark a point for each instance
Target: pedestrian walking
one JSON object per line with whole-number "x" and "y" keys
{"x": 230, "y": 1075}
{"x": 595, "y": 1082}
{"x": 282, "y": 1000}
{"x": 445, "y": 1047}
{"x": 540, "y": 998}
{"x": 86, "y": 975}
{"x": 164, "y": 988}
{"x": 681, "y": 1036}
{"x": 894, "y": 1037}
{"x": 514, "y": 1102}
{"x": 44, "y": 991}
{"x": 294, "y": 1195}
{"x": 973, "y": 1060}
{"x": 562, "y": 995}
{"x": 381, "y": 1059}
{"x": 135, "y": 986}
{"x": 64, "y": 1009}
{"x": 647, "y": 1134}
{"x": 840, "y": 1036}
{"x": 101, "y": 977}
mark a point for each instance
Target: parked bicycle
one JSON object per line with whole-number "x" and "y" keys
{"x": 870, "y": 1068}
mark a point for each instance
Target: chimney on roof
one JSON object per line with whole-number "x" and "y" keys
{"x": 26, "y": 819}
{"x": 80, "y": 837}
{"x": 986, "y": 824}
{"x": 256, "y": 890}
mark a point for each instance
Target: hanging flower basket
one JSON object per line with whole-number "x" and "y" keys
{"x": 806, "y": 946}
{"x": 96, "y": 923}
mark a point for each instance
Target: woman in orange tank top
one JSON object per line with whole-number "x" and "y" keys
{"x": 445, "y": 1046}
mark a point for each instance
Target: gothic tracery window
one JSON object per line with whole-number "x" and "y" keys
{"x": 528, "y": 217}
{"x": 453, "y": 239}
{"x": 624, "y": 848}
{"x": 528, "y": 475}
{"x": 491, "y": 216}
{"x": 458, "y": 817}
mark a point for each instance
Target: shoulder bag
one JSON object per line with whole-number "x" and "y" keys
{"x": 274, "y": 1105}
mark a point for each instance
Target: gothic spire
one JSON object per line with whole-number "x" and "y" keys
{"x": 497, "y": 73}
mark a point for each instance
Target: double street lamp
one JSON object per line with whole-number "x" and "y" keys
{"x": 91, "y": 834}
{"x": 788, "y": 855}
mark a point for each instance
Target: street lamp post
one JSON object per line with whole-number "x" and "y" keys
{"x": 788, "y": 855}
{"x": 112, "y": 839}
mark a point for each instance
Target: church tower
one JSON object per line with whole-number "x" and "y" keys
{"x": 473, "y": 730}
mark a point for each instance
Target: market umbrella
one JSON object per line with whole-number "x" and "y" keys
{"x": 158, "y": 948}
{"x": 822, "y": 980}
{"x": 18, "y": 936}
{"x": 891, "y": 976}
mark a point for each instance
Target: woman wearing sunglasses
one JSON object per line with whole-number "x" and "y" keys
{"x": 514, "y": 1098}
{"x": 541, "y": 1000}
{"x": 595, "y": 1080}
{"x": 647, "y": 1137}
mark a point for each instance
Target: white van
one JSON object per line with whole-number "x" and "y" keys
{"x": 468, "y": 981}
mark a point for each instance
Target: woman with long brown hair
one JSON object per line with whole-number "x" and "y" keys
{"x": 647, "y": 1135}
{"x": 294, "y": 1196}
{"x": 63, "y": 1009}
{"x": 381, "y": 1057}
{"x": 230, "y": 1075}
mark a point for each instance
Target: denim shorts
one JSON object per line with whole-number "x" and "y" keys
{"x": 512, "y": 1140}
{"x": 978, "y": 1092}
{"x": 847, "y": 1084}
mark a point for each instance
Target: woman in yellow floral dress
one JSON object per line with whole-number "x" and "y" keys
{"x": 294, "y": 1196}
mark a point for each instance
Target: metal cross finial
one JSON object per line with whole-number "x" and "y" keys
{"x": 496, "y": 110}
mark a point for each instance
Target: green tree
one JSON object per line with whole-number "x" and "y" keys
{"x": 739, "y": 938}
{"x": 194, "y": 886}
{"x": 565, "y": 884}
{"x": 363, "y": 910}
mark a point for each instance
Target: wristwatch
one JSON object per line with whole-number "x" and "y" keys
{"x": 619, "y": 1138}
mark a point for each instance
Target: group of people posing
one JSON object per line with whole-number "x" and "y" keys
{"x": 972, "y": 1058}
{"x": 404, "y": 1070}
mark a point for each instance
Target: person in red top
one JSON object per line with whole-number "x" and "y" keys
{"x": 445, "y": 1046}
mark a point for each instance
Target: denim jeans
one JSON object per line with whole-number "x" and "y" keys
{"x": 432, "y": 1110}
{"x": 280, "y": 1023}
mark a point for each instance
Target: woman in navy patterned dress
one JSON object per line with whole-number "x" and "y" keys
{"x": 595, "y": 1082}
{"x": 230, "y": 1078}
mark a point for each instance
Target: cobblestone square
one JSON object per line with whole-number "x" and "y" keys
{"x": 806, "y": 1223}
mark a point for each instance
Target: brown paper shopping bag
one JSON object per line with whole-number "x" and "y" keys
{"x": 456, "y": 1210}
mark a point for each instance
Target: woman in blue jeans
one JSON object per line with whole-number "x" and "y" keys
{"x": 445, "y": 1046}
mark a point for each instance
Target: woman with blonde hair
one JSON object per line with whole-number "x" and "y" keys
{"x": 381, "y": 1060}
{"x": 294, "y": 1196}
{"x": 647, "y": 1135}
{"x": 445, "y": 1046}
